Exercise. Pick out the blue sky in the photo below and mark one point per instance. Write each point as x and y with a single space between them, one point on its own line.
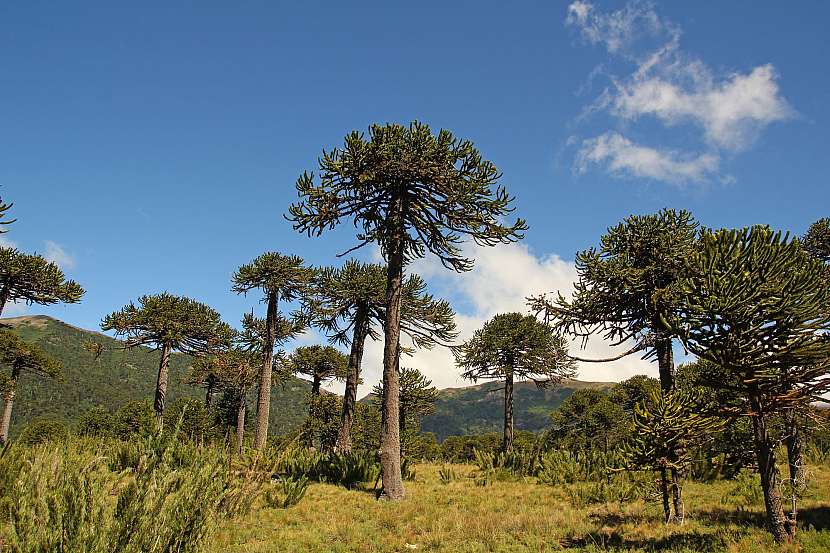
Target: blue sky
155 146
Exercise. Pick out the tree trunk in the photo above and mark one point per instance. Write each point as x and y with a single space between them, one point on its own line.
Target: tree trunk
315 386
664 491
4 297
508 411
677 496
209 391
390 437
161 386
240 422
361 330
263 404
8 403
795 460
765 451
665 364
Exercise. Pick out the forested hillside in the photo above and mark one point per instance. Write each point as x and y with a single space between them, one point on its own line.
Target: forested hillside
116 377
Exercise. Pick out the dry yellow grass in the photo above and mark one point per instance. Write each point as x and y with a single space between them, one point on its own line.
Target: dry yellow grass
516 516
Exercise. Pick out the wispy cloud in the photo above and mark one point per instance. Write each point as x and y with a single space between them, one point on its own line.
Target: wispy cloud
57 255
728 111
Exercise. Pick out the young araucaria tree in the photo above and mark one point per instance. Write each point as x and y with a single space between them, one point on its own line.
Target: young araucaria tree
409 191
169 323
19 357
418 397
319 363
511 347
756 305
234 370
352 299
625 290
32 279
278 277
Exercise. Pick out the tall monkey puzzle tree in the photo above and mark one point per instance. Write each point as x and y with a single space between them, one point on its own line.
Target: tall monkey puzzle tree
33 279
169 323
513 346
353 299
756 305
279 277
20 357
410 192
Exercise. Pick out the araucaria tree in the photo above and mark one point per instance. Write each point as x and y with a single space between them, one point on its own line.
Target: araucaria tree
19 357
409 191
756 305
319 363
169 323
233 370
417 399
278 277
33 279
349 305
4 207
511 347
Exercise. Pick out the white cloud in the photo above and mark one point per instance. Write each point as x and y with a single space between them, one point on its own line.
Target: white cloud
502 278
57 255
7 242
729 111
621 156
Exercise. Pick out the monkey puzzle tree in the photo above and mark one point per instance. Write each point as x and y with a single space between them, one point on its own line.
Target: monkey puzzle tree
417 398
660 422
589 419
410 192
234 370
756 305
353 299
320 363
33 279
817 240
169 323
4 207
20 357
278 277
513 346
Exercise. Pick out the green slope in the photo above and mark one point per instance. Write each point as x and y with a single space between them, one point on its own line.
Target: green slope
480 409
115 378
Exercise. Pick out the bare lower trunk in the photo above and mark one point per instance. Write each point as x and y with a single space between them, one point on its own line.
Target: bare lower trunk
4 297
677 496
263 404
765 451
665 363
240 423
390 437
507 443
161 386
210 389
8 403
361 330
795 460
664 491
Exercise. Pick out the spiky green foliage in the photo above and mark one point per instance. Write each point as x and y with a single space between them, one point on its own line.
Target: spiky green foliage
169 323
510 347
627 285
817 240
272 272
587 420
417 400
447 189
517 344
756 304
4 207
33 279
632 391
320 363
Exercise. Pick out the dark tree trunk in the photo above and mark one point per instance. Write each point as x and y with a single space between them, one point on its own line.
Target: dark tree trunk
315 386
665 363
161 385
677 496
263 404
361 330
390 437
664 491
240 422
4 297
508 411
765 451
8 403
210 389
795 460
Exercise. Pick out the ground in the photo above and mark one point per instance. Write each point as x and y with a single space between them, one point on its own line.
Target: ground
517 516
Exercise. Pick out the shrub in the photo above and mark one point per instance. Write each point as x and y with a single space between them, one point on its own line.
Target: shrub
96 422
42 431
293 490
134 418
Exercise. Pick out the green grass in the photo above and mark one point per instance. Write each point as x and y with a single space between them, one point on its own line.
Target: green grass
515 516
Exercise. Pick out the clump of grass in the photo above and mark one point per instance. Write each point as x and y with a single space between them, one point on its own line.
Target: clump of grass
292 491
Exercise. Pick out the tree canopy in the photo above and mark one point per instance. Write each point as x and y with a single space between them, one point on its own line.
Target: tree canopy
320 363
33 279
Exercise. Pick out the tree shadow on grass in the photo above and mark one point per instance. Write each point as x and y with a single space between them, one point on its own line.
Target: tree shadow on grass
692 541
815 517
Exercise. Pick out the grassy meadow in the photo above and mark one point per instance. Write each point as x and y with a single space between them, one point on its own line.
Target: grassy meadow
520 515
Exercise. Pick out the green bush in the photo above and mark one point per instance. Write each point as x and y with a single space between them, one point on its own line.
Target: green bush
96 422
134 418
293 490
42 431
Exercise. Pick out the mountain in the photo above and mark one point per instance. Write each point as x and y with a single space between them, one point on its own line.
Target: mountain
119 376
480 409
115 378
